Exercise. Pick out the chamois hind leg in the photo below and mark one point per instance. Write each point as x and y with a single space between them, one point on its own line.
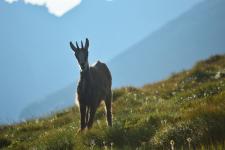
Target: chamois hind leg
82 116
108 104
91 116
87 114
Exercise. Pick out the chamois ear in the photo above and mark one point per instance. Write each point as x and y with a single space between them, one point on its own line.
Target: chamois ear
86 44
73 47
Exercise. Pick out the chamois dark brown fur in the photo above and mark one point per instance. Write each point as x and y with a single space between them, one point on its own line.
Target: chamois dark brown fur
93 87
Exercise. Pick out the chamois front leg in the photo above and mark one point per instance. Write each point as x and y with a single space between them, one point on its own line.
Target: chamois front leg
91 118
108 104
82 117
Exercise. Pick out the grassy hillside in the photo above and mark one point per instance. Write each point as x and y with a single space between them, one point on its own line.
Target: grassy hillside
185 111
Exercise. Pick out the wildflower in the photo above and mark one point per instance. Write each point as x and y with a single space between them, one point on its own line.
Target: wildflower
218 75
189 142
99 123
52 120
173 93
135 96
163 122
194 96
172 143
92 144
111 144
104 144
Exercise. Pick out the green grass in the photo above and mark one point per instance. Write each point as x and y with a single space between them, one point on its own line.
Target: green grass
188 105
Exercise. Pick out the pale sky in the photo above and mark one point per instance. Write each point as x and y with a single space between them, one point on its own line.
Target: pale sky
55 7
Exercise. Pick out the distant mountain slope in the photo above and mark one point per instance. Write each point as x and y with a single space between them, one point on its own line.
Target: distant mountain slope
50 104
195 35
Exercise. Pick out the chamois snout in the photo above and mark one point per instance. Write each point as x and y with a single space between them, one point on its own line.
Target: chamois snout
82 65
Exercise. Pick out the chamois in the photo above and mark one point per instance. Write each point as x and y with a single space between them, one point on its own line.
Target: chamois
93 87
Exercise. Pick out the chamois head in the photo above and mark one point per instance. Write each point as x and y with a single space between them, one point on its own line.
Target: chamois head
81 53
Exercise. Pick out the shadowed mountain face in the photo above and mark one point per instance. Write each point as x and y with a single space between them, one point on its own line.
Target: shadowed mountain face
195 35
178 45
